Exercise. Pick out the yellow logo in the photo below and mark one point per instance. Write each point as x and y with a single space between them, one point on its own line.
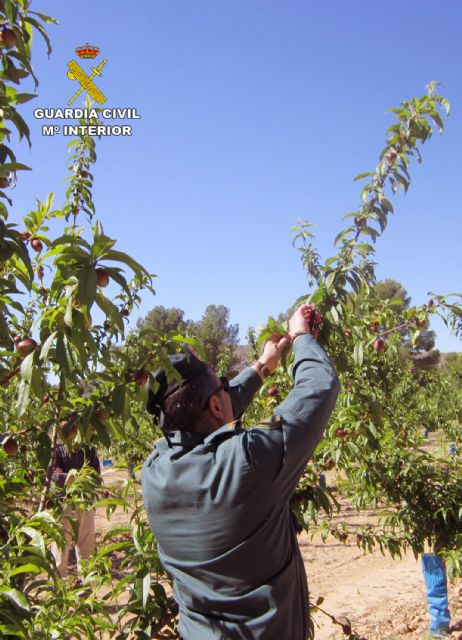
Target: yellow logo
86 82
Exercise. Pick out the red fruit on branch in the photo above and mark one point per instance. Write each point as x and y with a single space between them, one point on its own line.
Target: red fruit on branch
10 446
26 235
26 346
68 431
391 156
36 244
346 628
102 277
84 174
340 433
141 377
125 313
348 332
4 182
8 38
330 464
101 414
273 391
40 272
379 344
431 303
17 339
422 324
375 327
317 319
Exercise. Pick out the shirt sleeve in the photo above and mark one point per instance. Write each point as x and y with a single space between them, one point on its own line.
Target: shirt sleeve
280 447
242 390
61 458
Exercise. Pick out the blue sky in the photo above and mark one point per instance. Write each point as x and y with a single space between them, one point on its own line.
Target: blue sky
255 113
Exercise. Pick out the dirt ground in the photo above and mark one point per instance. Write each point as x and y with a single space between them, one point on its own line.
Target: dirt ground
383 598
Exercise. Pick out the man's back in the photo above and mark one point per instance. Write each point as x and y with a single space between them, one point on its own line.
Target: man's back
219 508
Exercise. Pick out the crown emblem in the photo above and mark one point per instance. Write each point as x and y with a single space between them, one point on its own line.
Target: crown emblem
87 51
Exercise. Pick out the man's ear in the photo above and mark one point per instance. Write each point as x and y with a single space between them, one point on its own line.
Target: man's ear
215 407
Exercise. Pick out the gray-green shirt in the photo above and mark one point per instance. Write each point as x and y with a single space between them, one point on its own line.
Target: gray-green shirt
218 506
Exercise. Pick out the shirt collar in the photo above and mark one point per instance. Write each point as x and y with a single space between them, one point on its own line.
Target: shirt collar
190 439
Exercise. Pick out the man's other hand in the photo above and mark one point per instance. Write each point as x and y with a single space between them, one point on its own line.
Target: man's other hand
305 320
272 351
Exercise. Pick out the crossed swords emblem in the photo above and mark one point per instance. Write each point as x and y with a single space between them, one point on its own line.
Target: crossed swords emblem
86 82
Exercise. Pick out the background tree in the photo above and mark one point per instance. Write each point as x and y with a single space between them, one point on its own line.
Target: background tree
213 331
218 336
162 319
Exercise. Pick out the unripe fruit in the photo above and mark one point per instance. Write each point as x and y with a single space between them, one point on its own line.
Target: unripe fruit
141 377
340 433
26 346
102 277
379 345
10 446
36 244
273 391
375 327
8 38
4 182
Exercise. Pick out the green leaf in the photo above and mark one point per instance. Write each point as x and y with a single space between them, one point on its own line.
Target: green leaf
360 176
26 568
86 290
330 280
16 598
111 311
318 296
47 345
119 256
43 451
118 399
23 397
358 354
386 203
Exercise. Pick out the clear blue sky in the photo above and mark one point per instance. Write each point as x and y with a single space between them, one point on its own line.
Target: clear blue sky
254 113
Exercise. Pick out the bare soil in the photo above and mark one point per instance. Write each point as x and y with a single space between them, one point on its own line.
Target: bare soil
383 598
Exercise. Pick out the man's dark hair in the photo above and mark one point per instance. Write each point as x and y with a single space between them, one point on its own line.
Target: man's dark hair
184 409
